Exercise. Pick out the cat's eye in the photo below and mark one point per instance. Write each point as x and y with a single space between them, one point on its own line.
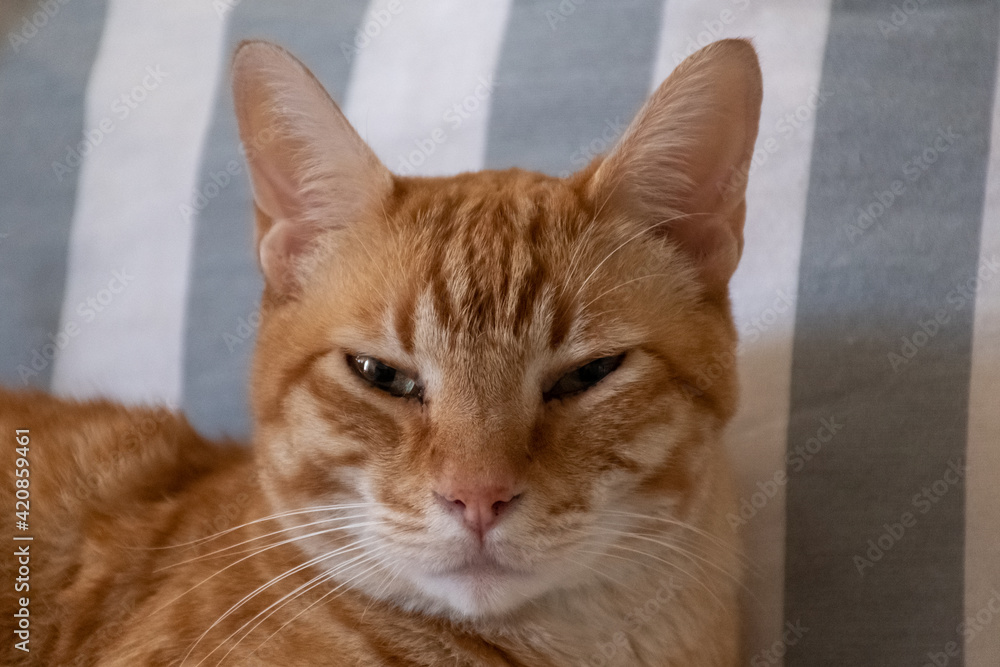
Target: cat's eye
584 377
383 376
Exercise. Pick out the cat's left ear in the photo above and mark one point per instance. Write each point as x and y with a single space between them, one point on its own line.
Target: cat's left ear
310 170
681 166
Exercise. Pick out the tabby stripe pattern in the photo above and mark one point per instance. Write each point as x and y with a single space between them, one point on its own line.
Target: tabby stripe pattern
842 423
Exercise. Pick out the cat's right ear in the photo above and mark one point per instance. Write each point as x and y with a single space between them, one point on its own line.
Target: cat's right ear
309 169
682 165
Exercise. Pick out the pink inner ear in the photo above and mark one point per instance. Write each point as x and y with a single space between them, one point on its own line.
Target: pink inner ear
684 157
713 246
312 172
274 190
714 240
280 246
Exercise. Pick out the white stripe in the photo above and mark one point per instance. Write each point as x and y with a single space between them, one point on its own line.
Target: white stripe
420 87
790 39
149 100
982 492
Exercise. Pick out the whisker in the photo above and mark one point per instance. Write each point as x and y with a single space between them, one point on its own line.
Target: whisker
620 285
360 239
289 621
688 527
256 553
277 532
594 569
235 607
684 552
641 232
300 591
396 571
677 539
673 522
294 593
272 517
670 564
592 227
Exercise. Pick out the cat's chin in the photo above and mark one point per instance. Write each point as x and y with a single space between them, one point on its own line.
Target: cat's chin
486 593
478 592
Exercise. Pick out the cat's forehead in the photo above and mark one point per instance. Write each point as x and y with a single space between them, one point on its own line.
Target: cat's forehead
490 205
491 255
514 263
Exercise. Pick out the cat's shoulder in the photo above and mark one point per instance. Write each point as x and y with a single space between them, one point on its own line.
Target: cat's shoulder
99 449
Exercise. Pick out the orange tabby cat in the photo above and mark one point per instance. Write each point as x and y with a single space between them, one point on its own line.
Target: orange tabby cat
480 437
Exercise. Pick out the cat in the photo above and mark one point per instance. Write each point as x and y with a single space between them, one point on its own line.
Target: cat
482 434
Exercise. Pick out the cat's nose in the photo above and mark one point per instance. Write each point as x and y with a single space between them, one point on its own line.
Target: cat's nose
479 506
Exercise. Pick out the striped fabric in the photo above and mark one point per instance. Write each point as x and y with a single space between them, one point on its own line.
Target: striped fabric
868 298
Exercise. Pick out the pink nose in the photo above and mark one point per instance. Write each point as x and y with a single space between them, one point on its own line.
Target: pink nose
480 506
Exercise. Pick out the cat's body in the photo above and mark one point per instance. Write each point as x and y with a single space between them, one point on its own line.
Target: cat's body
487 416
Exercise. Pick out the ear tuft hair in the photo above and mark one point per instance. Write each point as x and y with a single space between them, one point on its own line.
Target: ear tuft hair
682 165
310 170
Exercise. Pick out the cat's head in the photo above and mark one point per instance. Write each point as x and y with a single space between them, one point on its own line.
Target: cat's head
491 375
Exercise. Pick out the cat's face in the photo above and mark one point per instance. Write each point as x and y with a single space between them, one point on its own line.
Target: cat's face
487 377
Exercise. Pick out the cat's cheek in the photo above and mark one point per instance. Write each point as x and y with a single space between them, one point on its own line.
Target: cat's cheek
308 466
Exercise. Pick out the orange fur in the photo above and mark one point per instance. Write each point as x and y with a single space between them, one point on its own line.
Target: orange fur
346 529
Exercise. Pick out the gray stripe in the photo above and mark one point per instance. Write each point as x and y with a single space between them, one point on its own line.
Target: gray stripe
225 283
45 61
879 389
570 77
